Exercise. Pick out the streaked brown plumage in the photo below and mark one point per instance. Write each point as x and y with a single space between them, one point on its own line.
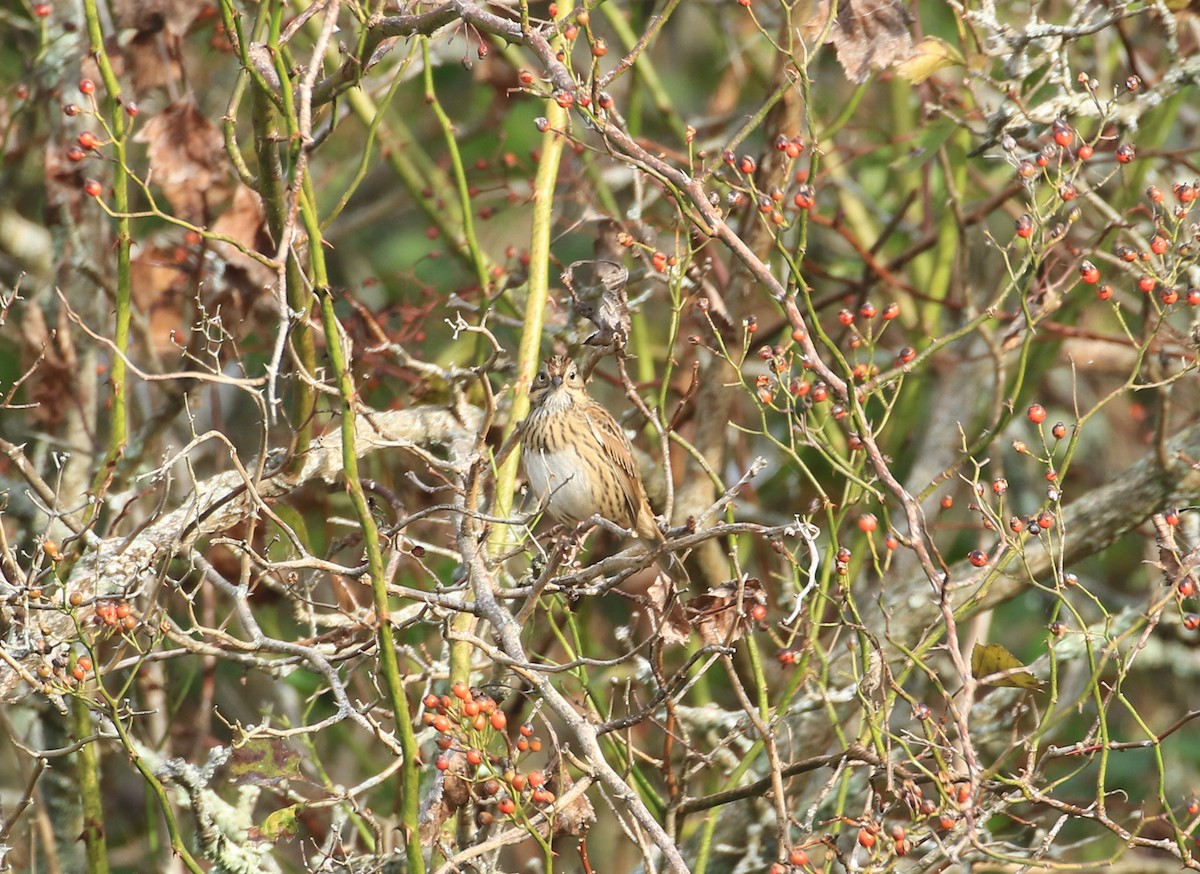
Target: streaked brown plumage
577 458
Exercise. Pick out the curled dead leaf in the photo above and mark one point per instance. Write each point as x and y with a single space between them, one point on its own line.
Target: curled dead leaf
865 34
598 291
718 616
187 159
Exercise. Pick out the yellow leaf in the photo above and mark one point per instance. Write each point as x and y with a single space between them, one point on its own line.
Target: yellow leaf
928 56
991 659
281 823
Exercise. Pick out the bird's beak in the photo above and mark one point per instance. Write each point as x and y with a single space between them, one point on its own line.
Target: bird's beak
556 381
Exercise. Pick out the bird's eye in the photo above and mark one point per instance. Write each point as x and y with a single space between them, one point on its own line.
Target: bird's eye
541 377
571 374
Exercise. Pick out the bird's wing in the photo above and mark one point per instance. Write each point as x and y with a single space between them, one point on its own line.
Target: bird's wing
616 446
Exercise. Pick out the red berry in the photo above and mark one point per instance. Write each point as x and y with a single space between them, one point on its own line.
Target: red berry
1063 135
1024 226
1147 283
87 86
798 857
867 310
42 10
1036 413
442 763
1068 192
499 720
1171 517
1089 273
525 77
1155 194
891 311
1169 296
867 522
474 757
1027 170
506 806
1193 296
820 393
1159 244
1191 622
76 154
977 557
92 188
1104 292
1125 153
999 485
1184 192
1059 430
88 140
1085 152
747 164
1045 520
806 197
891 541
906 355
866 839
846 317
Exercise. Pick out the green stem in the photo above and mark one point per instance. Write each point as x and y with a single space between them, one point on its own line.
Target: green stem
389 663
87 765
535 305
119 425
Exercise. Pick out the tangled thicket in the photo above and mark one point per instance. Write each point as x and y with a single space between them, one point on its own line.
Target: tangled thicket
900 304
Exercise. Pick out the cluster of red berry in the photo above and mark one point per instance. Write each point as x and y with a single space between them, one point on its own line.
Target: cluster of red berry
470 724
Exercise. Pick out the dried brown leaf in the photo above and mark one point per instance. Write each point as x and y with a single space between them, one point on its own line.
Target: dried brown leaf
598 291
187 159
450 793
718 616
152 16
244 222
866 34
577 815
158 283
54 382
